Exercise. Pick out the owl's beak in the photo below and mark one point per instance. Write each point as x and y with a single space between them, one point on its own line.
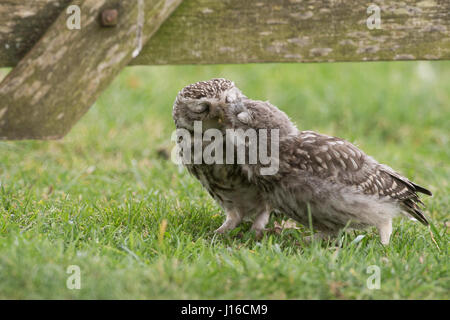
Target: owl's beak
217 112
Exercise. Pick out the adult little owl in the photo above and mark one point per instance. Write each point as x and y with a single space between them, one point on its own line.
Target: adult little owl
322 180
226 183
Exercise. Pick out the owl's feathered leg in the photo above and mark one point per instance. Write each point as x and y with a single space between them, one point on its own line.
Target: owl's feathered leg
385 230
231 222
260 222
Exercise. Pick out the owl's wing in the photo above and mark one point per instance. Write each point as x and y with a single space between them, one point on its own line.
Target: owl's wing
338 160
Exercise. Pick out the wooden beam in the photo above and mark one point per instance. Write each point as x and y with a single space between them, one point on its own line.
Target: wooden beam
237 31
63 74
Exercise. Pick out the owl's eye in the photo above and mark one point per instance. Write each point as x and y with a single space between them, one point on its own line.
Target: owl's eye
201 107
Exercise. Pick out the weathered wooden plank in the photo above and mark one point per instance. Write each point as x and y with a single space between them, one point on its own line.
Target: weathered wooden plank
236 31
22 24
207 31
61 77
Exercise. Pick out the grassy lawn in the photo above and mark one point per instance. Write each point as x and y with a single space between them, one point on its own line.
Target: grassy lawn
105 198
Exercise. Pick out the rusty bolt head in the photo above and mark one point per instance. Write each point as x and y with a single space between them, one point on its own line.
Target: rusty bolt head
109 17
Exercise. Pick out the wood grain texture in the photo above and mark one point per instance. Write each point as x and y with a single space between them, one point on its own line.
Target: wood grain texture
62 76
236 31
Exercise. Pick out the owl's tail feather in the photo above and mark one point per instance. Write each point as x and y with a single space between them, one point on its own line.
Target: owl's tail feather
413 209
421 189
411 185
410 203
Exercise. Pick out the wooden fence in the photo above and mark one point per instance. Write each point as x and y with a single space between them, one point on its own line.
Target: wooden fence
64 53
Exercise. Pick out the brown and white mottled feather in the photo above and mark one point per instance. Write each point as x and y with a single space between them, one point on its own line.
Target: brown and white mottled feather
334 158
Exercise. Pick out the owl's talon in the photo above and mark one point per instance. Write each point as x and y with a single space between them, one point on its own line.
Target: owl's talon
231 222
220 230
259 225
259 234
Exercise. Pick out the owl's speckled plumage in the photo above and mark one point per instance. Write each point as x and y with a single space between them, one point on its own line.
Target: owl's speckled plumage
340 184
226 183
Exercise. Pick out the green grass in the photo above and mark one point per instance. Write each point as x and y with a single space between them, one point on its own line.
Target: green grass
138 227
